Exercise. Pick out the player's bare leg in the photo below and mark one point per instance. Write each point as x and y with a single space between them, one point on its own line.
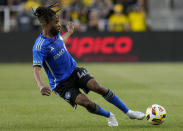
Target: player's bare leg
82 100
113 99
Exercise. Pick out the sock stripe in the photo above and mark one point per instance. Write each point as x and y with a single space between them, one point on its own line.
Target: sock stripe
109 95
113 99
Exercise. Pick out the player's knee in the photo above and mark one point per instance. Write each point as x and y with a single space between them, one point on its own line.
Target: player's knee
80 99
83 101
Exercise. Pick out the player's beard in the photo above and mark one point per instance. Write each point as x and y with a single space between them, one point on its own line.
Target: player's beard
54 31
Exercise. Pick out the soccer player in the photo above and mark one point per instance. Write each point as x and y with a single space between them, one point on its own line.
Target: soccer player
65 78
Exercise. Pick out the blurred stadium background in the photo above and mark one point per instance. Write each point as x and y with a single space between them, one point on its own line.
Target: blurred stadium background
105 30
140 42
93 15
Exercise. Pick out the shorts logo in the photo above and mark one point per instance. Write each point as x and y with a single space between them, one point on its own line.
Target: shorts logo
83 73
52 48
67 95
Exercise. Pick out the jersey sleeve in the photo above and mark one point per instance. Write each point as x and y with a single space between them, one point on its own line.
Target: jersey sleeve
39 56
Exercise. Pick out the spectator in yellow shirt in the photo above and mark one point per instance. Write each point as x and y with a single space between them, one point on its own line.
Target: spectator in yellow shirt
87 2
65 3
32 4
118 22
137 19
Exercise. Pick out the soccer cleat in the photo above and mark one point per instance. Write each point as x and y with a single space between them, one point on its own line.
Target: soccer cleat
135 115
112 120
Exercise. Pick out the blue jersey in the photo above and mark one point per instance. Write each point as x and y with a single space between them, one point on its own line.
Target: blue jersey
52 54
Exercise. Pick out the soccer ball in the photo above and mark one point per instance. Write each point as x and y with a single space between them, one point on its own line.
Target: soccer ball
155 114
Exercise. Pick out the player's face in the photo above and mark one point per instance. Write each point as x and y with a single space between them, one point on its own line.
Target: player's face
55 26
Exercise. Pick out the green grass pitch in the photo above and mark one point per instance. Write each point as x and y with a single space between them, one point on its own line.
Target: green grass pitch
139 85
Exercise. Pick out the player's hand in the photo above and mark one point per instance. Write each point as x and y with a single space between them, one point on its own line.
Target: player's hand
70 27
45 91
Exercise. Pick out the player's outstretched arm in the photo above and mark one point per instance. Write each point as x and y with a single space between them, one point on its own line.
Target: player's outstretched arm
70 30
37 76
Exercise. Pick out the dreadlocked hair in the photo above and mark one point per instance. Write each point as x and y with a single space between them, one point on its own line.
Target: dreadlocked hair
45 14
